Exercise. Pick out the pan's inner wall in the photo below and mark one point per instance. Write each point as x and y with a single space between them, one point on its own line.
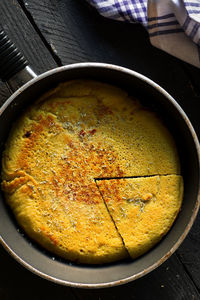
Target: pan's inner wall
63 271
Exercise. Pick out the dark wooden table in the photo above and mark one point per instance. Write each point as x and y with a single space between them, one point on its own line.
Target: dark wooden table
52 33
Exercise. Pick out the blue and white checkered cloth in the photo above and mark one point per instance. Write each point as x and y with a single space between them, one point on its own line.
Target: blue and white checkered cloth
173 25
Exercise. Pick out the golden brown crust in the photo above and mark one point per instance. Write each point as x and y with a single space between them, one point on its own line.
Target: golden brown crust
78 132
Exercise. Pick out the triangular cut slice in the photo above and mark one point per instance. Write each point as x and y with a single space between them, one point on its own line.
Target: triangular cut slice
143 209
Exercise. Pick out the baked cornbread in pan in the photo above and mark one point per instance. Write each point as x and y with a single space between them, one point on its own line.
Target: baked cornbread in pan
57 150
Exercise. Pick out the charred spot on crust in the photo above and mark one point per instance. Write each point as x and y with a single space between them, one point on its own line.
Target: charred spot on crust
27 134
82 133
92 131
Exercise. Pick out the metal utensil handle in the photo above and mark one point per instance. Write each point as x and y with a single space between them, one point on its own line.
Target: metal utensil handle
14 67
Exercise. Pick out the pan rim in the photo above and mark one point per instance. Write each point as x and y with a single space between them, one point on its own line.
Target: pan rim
197 203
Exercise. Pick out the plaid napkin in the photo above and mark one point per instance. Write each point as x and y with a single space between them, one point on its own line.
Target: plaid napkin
173 25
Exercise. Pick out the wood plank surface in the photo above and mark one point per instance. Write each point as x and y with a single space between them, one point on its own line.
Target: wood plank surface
21 32
189 253
74 32
58 29
166 283
193 74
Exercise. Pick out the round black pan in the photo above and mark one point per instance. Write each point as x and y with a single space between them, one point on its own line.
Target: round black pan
150 94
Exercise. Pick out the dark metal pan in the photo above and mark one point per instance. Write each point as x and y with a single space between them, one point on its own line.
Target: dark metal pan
16 73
